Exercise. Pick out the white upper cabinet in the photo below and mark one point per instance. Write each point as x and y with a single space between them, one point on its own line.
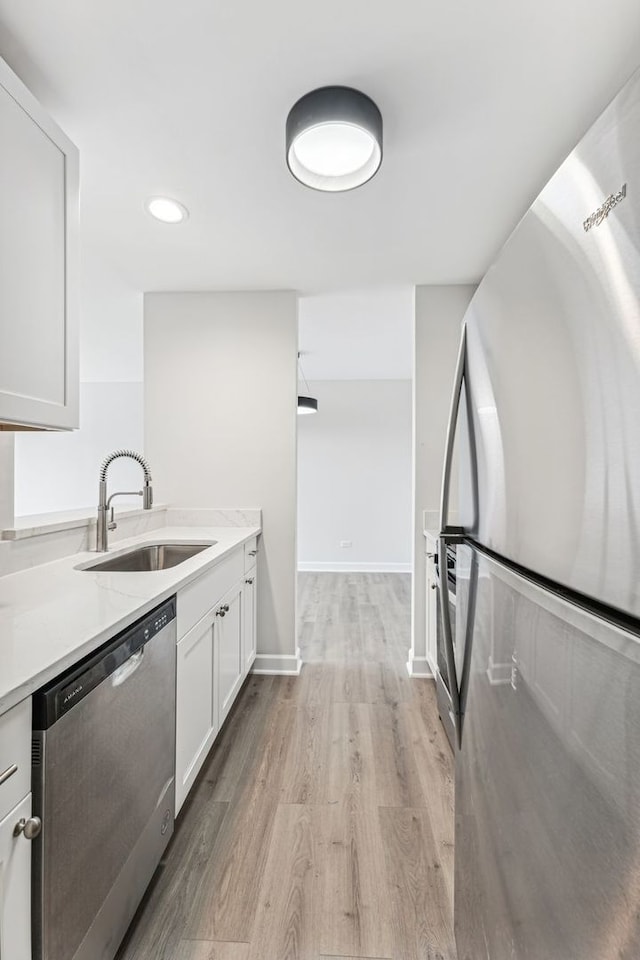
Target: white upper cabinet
38 265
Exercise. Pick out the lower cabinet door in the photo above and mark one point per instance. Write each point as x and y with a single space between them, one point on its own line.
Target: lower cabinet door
230 661
15 886
196 703
249 620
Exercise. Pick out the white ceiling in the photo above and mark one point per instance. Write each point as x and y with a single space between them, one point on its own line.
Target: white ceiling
481 101
357 335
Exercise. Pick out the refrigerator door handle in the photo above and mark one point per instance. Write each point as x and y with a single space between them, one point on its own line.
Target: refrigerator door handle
449 652
469 632
451 433
448 535
458 685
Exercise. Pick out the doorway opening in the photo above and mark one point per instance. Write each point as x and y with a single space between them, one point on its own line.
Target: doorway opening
354 529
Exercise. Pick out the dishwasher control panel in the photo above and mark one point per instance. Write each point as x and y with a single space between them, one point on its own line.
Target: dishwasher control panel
162 621
62 694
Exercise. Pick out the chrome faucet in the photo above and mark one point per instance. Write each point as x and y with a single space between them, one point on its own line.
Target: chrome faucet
104 504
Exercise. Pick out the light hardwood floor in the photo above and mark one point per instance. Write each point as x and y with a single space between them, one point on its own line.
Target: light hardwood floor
322 825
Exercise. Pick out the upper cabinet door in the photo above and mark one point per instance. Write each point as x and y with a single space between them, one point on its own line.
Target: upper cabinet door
38 265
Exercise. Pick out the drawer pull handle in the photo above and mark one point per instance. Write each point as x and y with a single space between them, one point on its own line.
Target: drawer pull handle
29 828
9 772
249 581
252 553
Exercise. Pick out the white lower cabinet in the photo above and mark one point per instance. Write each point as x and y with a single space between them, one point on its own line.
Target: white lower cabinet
229 651
214 657
196 703
249 619
15 886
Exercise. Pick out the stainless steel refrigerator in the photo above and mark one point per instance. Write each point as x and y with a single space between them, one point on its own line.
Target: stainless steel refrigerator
545 666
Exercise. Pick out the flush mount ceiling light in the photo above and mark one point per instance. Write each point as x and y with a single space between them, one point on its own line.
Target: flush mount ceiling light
166 209
334 139
305 404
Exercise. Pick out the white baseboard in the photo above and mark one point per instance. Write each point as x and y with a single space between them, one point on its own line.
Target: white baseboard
419 667
499 673
278 664
313 566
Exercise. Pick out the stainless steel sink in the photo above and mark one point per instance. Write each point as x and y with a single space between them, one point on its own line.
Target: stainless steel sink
150 556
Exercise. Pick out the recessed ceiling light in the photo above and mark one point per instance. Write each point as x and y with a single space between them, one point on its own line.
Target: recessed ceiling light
167 210
334 139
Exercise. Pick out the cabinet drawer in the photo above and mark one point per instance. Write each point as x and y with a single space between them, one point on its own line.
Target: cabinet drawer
198 597
250 553
15 752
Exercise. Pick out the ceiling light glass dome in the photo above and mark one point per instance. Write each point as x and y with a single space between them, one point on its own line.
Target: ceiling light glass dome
334 139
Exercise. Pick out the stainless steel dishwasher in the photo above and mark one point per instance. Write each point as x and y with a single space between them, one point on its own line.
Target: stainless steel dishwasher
103 786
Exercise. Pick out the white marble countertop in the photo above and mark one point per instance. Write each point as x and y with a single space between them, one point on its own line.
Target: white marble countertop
53 615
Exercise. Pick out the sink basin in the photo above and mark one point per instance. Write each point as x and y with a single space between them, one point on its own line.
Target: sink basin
149 556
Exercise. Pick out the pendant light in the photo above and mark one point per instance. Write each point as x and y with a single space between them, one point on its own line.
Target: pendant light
305 404
334 139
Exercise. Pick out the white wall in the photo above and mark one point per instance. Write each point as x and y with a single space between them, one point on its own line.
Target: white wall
59 471
7 443
439 311
358 334
354 477
111 342
220 428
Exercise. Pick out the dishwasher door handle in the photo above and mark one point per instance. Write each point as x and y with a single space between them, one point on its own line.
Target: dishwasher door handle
126 669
